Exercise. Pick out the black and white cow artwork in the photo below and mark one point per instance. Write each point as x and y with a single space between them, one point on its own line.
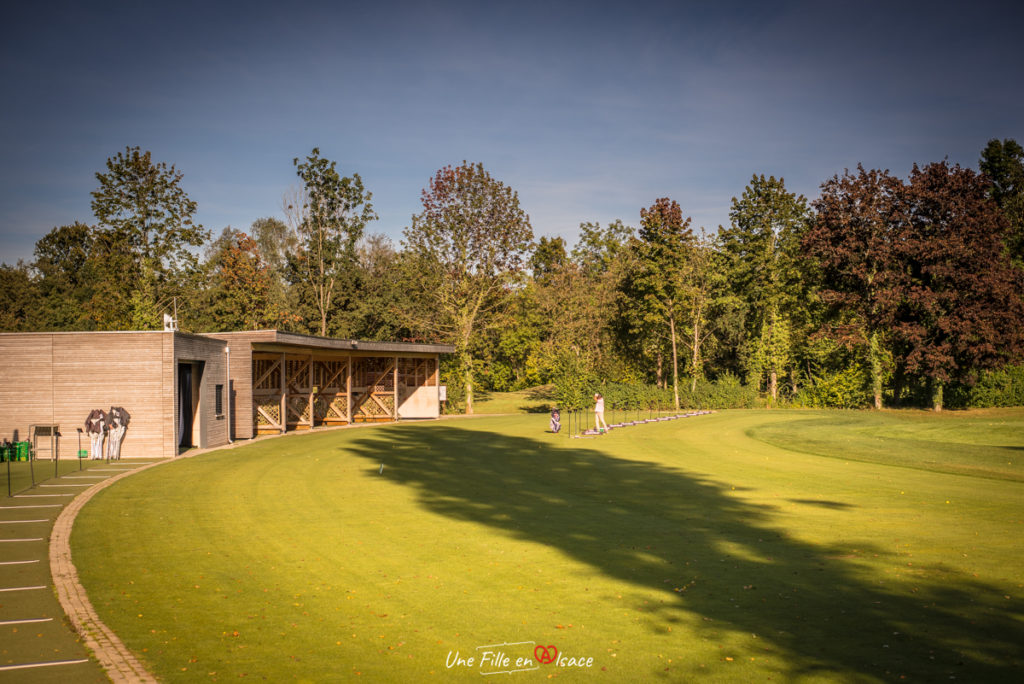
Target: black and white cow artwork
117 424
96 428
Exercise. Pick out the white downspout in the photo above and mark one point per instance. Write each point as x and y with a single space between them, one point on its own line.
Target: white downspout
227 386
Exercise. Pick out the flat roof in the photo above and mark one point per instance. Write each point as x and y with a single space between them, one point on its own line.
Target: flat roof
290 339
275 337
179 333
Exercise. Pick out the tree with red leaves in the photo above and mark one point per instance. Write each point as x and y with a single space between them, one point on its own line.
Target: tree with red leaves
852 239
468 247
962 309
923 263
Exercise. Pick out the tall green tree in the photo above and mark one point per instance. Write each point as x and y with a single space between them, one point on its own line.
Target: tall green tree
665 253
276 243
62 261
382 295
330 216
570 314
1003 163
239 295
143 205
706 302
86 278
598 249
762 247
548 258
18 298
470 246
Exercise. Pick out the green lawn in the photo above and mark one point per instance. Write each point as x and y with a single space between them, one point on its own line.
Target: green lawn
736 547
536 400
19 476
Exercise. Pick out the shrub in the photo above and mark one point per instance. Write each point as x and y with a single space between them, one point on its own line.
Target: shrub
574 382
635 395
727 391
995 388
577 391
845 388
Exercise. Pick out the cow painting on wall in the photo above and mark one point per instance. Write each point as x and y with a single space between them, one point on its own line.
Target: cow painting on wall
117 423
96 428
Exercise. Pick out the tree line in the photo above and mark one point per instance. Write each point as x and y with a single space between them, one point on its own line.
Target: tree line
882 291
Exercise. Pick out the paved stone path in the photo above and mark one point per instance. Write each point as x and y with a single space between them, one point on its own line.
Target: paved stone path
120 664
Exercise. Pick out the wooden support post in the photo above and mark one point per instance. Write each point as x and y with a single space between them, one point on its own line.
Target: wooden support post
311 398
284 394
348 391
395 417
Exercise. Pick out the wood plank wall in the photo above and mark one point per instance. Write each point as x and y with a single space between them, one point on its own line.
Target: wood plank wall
209 429
86 371
26 381
240 343
59 378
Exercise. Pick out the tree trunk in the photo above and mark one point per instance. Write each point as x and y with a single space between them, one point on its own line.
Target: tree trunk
675 362
936 395
696 357
876 370
773 384
660 381
467 369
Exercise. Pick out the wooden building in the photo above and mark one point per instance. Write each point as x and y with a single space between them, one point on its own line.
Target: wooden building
186 390
286 381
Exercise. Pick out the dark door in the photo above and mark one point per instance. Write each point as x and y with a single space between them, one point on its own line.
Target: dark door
185 416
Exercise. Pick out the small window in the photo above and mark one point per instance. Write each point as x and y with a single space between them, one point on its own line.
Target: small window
219 399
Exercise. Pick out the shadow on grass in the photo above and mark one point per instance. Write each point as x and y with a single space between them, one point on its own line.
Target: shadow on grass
18 477
711 555
834 505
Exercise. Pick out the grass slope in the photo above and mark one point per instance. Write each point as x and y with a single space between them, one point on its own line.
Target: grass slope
535 400
723 548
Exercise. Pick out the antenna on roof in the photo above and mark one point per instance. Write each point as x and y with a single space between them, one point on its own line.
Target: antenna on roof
171 322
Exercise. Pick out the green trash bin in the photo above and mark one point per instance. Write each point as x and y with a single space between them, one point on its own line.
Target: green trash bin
6 452
83 453
24 451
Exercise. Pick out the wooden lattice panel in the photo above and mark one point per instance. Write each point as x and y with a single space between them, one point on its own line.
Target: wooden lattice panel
330 375
373 388
321 406
416 372
378 407
299 411
337 410
374 372
297 375
266 374
267 414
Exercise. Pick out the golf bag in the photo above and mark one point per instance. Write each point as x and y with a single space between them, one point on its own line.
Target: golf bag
117 424
95 427
556 420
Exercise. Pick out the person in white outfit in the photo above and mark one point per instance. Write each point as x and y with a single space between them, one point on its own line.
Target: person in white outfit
599 412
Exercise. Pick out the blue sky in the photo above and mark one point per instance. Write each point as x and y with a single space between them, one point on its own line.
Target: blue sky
589 110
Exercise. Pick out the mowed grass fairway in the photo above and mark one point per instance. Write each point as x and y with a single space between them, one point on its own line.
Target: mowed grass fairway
741 546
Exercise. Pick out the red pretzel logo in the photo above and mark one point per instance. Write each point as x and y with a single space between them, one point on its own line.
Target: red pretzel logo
545 654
